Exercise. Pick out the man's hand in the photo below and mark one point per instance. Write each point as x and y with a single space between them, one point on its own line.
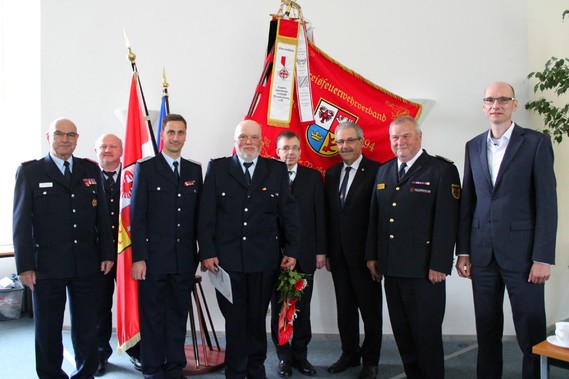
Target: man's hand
288 262
106 266
320 261
463 266
436 276
28 278
209 264
539 273
372 267
139 270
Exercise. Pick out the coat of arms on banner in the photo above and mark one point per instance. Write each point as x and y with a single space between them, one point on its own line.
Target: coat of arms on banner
320 135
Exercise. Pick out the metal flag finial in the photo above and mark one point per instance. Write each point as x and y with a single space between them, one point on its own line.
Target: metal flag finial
131 55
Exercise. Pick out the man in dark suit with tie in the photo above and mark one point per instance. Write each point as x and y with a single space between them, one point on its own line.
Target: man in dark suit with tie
62 241
109 149
245 199
413 224
164 214
307 187
348 189
508 225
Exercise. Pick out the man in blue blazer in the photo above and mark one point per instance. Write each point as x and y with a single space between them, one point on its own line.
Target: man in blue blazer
62 241
164 214
308 190
245 199
348 189
508 224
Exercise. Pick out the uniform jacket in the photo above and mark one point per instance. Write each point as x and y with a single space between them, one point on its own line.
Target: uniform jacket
113 205
308 190
516 219
347 226
413 223
164 214
60 230
239 224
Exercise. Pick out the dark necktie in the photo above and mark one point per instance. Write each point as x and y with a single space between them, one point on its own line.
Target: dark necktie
175 164
247 173
67 172
401 173
344 186
290 174
110 181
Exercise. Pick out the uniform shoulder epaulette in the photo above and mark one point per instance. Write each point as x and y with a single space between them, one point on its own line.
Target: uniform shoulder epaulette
388 160
91 160
217 159
195 162
444 159
28 162
145 159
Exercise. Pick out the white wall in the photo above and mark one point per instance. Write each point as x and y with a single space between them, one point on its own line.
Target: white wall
443 50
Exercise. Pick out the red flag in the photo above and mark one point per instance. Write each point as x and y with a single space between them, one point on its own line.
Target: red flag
338 94
137 144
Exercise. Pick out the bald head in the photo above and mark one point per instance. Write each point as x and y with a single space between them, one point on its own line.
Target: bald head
109 151
62 137
248 140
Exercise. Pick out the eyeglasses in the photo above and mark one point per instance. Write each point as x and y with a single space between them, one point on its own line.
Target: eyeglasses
289 148
243 138
70 135
500 100
349 141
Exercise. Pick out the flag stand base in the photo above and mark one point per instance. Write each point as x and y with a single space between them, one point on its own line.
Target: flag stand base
215 361
202 357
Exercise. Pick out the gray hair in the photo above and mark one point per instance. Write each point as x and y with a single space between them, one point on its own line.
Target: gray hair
350 125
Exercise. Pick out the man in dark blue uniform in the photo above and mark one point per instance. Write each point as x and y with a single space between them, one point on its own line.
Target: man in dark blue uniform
413 226
245 198
307 187
109 151
164 211
62 241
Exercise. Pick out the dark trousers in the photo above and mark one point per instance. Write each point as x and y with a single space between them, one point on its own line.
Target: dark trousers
49 297
164 301
355 291
246 336
297 348
528 310
416 310
105 314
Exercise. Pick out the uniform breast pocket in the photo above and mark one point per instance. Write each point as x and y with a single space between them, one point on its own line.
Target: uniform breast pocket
46 201
270 201
224 200
157 195
91 197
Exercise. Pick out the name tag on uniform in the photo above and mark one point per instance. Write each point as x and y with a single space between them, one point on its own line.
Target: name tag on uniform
46 185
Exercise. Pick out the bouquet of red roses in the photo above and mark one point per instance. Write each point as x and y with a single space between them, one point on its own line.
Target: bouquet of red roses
290 286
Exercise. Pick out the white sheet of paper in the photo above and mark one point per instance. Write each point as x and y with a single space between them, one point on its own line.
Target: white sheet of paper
222 283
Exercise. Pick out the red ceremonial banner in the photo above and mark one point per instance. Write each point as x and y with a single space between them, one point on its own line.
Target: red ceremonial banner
137 144
338 94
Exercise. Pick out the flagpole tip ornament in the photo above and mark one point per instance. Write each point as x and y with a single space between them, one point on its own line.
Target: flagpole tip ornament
131 55
164 82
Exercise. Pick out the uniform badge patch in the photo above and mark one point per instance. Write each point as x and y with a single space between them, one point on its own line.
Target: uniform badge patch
455 189
94 203
189 183
380 186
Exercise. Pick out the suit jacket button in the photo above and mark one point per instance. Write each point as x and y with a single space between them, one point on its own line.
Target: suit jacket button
391 236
